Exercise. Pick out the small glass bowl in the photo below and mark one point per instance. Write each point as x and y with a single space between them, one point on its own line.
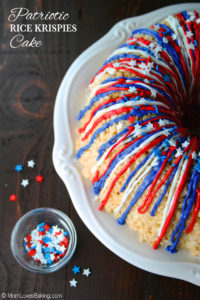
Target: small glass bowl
27 223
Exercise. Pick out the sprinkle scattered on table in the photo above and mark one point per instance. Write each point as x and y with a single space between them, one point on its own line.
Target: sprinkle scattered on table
86 272
39 178
73 282
31 163
25 182
18 168
46 244
76 270
13 197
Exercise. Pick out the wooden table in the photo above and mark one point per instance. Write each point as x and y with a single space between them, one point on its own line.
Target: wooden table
29 80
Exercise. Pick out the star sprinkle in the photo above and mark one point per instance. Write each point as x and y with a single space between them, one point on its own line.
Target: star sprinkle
153 93
161 122
25 182
119 126
194 155
189 34
116 65
132 63
165 40
44 246
172 142
137 128
31 163
18 168
185 144
13 197
166 78
86 272
156 26
111 71
132 89
39 178
76 270
173 36
73 282
179 152
191 46
149 126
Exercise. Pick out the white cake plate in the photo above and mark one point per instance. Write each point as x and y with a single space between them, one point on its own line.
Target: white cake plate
71 97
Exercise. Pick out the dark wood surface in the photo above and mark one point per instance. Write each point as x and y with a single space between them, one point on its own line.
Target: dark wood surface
29 80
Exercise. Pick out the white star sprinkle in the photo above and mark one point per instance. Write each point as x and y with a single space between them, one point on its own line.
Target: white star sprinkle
156 27
191 18
191 46
119 126
189 34
167 133
116 65
153 93
194 155
31 163
165 40
172 142
146 68
150 65
143 66
86 272
155 162
25 182
152 45
132 63
73 282
158 49
111 71
132 89
161 122
173 36
146 80
149 125
178 152
137 127
185 144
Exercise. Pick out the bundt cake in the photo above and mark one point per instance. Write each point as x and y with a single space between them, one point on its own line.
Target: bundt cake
138 139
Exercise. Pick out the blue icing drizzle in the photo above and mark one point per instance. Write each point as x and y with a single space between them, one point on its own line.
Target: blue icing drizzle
147 181
113 139
170 49
163 192
100 183
98 131
186 208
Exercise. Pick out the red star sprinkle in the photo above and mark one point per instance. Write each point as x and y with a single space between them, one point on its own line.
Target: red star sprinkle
32 252
41 233
46 227
29 238
131 119
13 197
57 233
39 178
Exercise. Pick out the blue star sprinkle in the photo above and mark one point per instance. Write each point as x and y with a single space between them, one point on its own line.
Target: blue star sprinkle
166 78
76 270
18 168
